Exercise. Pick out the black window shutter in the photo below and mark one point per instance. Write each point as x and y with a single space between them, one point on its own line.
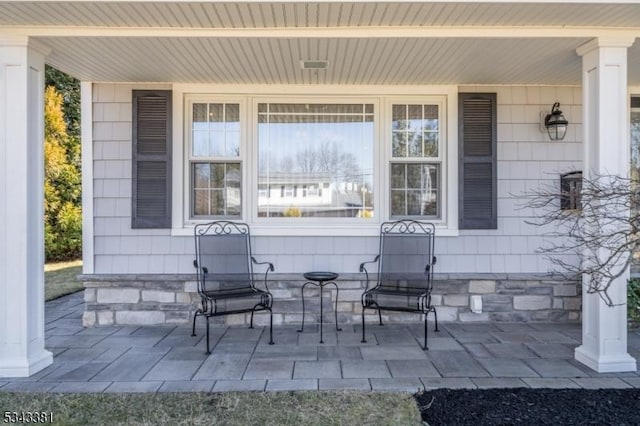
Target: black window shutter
478 202
151 202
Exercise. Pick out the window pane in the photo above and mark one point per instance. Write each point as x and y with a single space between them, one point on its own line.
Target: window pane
420 125
201 202
415 117
398 176
414 144
202 176
398 203
216 189
431 117
398 117
200 143
200 113
430 144
217 202
216 130
316 160
417 195
216 113
399 144
414 203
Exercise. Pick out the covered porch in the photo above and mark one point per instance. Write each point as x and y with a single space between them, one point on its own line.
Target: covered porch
167 359
395 48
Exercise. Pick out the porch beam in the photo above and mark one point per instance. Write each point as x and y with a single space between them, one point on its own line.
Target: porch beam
605 122
328 32
22 350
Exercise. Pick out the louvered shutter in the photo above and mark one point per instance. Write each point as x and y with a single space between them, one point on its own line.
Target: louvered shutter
478 206
151 203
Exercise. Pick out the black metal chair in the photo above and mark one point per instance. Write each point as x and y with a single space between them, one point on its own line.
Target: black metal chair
405 271
224 265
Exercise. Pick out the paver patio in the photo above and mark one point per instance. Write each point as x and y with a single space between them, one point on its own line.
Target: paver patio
169 359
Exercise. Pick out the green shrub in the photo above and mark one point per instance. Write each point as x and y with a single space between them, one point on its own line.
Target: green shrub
62 186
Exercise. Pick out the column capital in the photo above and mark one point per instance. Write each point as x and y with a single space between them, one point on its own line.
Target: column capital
600 42
24 41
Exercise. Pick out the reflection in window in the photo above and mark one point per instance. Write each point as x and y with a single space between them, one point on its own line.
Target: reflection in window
415 130
216 189
415 164
414 189
214 160
315 160
216 130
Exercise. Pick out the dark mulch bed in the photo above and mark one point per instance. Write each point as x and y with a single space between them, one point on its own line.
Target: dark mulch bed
530 406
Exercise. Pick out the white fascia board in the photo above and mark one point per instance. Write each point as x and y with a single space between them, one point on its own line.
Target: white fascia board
329 32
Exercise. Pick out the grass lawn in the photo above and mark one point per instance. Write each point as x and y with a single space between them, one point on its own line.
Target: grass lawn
233 408
60 279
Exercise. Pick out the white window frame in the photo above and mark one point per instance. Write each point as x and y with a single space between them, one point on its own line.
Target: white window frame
443 152
316 222
191 99
248 98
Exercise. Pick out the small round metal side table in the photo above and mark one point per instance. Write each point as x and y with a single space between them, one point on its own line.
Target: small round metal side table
320 279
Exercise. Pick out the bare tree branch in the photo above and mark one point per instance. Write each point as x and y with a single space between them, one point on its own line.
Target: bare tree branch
602 234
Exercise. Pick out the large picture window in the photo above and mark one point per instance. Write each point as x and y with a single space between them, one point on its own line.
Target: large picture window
314 163
215 168
315 160
416 161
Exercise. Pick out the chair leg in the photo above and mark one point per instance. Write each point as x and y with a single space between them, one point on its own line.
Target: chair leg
426 348
435 316
380 316
251 322
208 351
363 339
270 327
193 329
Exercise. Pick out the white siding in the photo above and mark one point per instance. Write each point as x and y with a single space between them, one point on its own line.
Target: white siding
526 159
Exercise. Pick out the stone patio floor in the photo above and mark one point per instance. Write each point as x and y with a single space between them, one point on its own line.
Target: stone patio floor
169 359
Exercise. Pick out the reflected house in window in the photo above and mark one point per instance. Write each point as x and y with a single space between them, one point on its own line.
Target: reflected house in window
217 189
312 195
315 160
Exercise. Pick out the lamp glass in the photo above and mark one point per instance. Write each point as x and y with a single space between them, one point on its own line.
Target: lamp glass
556 124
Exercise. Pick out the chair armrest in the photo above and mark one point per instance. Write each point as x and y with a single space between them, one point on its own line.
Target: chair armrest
270 265
270 268
363 269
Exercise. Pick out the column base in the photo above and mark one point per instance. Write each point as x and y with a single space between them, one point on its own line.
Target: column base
618 363
21 367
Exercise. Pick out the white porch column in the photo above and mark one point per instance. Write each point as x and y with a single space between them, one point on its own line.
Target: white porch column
606 152
22 350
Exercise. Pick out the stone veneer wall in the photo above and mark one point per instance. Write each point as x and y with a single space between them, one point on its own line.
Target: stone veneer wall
171 299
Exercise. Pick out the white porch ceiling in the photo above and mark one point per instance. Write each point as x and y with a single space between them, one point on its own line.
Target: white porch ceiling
289 14
351 61
365 42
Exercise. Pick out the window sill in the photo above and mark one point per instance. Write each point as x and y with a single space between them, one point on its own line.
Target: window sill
315 230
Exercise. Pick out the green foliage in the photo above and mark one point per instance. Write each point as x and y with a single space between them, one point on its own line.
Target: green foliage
62 186
69 87
633 301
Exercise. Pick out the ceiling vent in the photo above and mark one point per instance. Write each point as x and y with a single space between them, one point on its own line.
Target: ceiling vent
314 65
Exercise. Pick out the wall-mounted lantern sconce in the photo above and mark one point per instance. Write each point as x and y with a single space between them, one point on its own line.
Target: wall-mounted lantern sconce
555 123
